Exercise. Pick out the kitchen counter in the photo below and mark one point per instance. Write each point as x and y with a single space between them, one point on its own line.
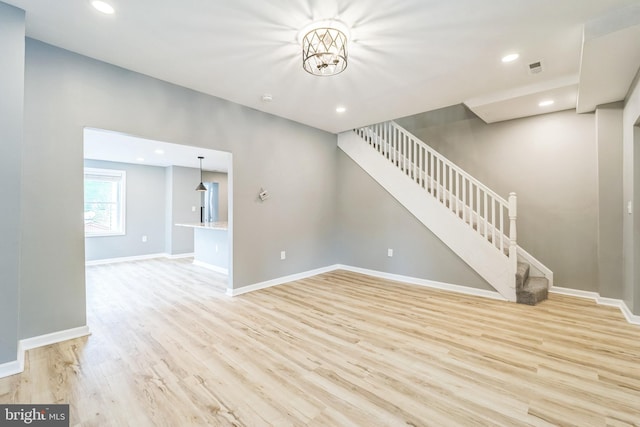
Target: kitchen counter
210 245
208 225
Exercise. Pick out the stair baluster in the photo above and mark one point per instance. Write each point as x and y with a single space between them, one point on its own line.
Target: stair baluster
513 246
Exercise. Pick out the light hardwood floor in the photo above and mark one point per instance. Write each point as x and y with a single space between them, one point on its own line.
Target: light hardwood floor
339 349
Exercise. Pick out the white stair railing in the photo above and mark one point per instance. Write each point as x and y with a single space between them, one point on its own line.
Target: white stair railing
488 214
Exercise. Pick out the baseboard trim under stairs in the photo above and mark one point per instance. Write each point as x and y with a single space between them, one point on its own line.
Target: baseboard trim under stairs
629 316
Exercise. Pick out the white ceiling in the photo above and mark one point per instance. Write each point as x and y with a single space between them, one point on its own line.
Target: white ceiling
610 58
118 147
405 57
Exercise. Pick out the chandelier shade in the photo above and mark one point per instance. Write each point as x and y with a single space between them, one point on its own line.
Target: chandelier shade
324 51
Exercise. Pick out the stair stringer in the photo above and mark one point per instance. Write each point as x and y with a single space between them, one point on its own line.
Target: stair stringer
478 253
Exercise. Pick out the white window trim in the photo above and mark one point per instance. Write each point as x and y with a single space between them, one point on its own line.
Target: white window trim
123 178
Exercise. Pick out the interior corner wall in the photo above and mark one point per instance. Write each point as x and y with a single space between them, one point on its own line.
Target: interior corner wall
371 221
550 162
631 198
12 52
636 221
66 92
610 201
184 199
168 210
144 214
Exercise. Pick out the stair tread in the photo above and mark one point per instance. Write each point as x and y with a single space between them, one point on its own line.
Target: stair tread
536 283
536 289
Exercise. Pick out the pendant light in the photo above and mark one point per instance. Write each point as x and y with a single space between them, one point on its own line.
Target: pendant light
201 186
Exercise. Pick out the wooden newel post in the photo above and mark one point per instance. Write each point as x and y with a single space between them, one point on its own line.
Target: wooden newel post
513 245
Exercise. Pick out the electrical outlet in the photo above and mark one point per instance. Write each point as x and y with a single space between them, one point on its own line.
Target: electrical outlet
283 255
144 239
389 252
193 208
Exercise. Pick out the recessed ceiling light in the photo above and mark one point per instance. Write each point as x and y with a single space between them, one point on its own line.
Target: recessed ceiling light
511 57
140 159
267 97
159 151
546 103
341 109
103 7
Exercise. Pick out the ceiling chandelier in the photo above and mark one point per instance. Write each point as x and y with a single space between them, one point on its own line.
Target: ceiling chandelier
324 48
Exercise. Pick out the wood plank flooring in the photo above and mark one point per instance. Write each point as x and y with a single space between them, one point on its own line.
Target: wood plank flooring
168 348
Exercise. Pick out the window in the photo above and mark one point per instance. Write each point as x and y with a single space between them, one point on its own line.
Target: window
104 200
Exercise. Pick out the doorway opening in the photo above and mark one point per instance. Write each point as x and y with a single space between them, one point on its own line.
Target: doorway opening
158 203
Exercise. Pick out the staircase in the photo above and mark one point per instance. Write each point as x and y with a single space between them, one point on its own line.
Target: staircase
475 222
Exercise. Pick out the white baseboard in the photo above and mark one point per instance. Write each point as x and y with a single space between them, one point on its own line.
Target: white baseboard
179 256
426 283
279 281
396 277
124 259
212 267
17 366
137 258
11 368
54 337
612 302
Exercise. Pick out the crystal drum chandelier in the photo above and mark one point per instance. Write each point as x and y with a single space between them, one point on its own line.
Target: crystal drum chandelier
324 49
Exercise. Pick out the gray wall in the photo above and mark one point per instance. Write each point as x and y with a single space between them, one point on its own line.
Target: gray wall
181 198
631 194
145 214
371 221
66 92
610 202
550 162
11 126
635 282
